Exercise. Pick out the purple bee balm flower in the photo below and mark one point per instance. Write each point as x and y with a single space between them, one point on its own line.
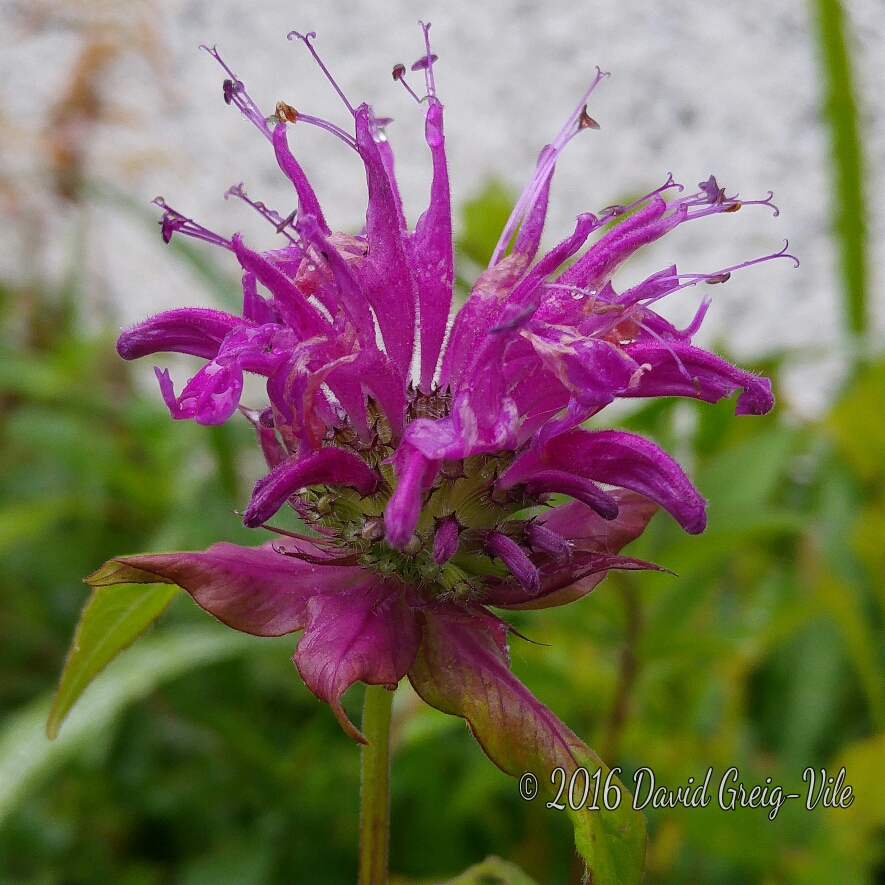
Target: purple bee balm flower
420 452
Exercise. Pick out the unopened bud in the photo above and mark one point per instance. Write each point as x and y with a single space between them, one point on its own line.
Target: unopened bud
373 530
414 546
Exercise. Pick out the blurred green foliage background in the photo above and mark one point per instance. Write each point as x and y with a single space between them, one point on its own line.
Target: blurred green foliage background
199 757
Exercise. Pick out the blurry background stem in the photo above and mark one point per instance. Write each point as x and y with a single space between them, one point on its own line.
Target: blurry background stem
847 168
627 671
375 786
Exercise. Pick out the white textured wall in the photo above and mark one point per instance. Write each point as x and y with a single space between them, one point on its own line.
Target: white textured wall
728 88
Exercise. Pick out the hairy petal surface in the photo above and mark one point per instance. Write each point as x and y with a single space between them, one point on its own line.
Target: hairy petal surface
679 369
197 331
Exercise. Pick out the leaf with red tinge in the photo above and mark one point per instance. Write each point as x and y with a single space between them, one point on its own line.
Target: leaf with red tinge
462 669
366 634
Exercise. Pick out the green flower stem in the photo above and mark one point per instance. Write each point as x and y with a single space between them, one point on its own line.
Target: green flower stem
375 786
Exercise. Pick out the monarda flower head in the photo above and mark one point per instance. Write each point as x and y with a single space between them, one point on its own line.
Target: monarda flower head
422 453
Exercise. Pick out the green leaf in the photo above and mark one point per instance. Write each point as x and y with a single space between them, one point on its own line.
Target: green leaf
858 425
25 752
483 219
845 604
113 618
759 461
492 871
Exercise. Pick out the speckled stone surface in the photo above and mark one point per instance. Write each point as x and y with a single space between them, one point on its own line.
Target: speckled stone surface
731 89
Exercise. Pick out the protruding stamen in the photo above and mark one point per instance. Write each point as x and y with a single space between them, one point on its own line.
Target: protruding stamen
617 210
585 121
305 39
320 123
274 218
423 63
718 278
713 199
544 169
631 302
285 113
174 222
399 74
234 93
426 63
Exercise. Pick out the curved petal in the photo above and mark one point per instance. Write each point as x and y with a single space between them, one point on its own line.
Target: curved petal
602 259
198 331
328 466
679 369
593 371
303 317
515 559
257 590
576 487
366 633
308 204
462 669
621 459
210 397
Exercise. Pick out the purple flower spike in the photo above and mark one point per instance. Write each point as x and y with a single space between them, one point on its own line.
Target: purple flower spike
420 449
